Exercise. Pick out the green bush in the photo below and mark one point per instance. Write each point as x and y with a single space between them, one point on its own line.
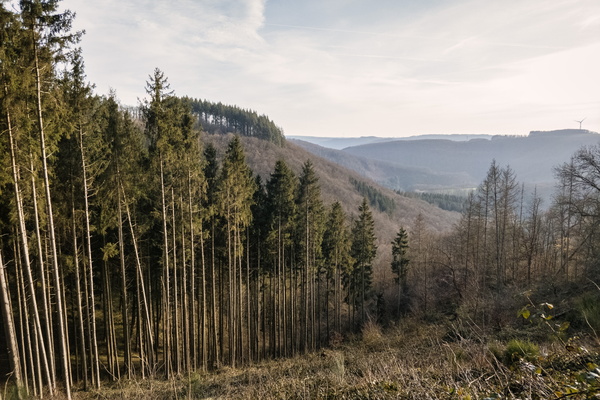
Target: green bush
588 308
520 349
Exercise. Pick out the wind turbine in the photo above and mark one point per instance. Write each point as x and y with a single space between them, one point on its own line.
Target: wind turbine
580 122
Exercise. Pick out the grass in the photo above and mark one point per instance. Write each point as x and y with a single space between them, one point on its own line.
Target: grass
409 361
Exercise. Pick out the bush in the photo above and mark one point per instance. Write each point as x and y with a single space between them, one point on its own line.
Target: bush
372 336
520 349
588 307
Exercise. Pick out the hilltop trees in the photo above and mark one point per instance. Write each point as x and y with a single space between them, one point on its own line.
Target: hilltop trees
218 117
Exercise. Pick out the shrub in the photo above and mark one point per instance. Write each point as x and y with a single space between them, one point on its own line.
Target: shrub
520 349
372 336
588 307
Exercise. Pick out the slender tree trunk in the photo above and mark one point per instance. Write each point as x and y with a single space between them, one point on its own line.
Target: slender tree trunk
27 264
148 361
9 326
27 353
248 302
231 308
240 316
186 310
79 295
45 292
166 280
204 304
88 236
216 324
59 300
191 330
124 308
176 312
88 318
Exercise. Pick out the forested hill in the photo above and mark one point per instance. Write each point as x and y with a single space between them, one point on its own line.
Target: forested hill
222 118
338 183
532 157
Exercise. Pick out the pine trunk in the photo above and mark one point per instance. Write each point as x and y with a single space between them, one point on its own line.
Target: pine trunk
59 300
9 326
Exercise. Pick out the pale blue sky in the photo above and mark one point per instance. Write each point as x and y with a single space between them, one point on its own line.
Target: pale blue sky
359 67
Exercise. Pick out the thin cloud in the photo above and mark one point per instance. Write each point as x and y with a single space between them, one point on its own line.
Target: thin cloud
354 68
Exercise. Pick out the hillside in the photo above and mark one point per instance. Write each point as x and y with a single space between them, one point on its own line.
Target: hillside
335 181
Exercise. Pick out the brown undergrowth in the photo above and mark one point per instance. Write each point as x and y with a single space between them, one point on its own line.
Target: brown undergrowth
411 360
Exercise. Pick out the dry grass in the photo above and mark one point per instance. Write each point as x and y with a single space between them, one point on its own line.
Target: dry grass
410 361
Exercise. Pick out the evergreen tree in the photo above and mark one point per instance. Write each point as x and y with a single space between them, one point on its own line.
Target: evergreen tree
309 237
281 194
210 207
235 193
363 251
49 37
400 263
337 261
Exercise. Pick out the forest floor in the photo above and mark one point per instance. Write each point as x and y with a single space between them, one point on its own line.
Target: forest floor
412 360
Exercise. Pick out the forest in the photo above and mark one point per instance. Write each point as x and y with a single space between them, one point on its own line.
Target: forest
132 248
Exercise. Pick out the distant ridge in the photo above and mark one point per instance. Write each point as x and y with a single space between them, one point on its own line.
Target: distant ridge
340 143
463 163
561 132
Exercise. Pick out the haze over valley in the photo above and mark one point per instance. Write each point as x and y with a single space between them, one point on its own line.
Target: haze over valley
456 163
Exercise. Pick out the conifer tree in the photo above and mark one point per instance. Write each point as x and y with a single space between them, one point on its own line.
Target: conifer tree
400 263
236 190
310 226
158 130
49 35
363 251
257 239
209 204
337 261
90 162
281 194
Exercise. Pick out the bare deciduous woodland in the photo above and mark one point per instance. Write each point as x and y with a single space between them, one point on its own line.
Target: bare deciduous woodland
183 248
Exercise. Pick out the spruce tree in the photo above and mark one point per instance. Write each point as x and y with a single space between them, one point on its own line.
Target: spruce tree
337 260
235 193
400 263
309 237
281 193
49 40
363 251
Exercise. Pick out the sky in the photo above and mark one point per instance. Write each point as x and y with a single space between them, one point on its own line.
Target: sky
350 68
